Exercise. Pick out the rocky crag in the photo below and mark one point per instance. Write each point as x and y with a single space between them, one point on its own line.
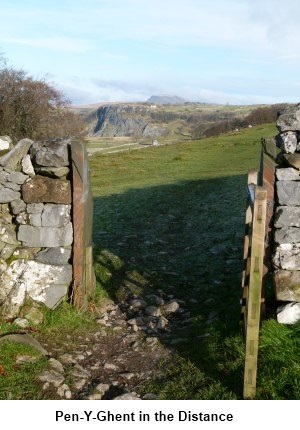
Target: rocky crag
36 231
286 259
126 120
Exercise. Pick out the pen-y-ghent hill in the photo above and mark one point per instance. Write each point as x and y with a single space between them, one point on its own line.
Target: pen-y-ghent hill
170 118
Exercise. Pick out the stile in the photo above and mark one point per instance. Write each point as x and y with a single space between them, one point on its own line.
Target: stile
252 179
253 301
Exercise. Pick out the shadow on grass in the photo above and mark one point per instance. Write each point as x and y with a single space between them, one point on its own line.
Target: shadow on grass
182 241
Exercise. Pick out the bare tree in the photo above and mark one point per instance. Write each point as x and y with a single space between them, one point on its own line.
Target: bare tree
33 108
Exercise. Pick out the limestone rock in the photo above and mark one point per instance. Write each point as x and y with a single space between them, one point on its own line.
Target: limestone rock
8 195
127 396
41 189
138 304
3 265
7 251
13 186
102 389
56 256
5 142
3 176
289 119
46 237
21 322
287 256
287 235
291 160
26 279
52 377
17 206
27 166
56 365
35 208
288 193
25 339
26 253
287 285
13 157
287 174
8 234
288 142
56 215
64 391
33 313
289 314
170 308
53 172
17 177
50 154
21 218
287 216
35 220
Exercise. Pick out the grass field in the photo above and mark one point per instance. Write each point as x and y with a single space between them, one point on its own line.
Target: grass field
172 217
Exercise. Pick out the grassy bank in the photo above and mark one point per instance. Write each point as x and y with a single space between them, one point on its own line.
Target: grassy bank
171 219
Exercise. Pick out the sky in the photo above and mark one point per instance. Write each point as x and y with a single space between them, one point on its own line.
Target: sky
212 51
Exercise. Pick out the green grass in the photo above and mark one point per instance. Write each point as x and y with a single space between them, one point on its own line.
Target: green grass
19 381
171 218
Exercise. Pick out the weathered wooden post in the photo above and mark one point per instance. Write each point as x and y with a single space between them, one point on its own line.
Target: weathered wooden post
253 299
83 270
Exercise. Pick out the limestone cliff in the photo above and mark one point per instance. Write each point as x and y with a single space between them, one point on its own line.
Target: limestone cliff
126 120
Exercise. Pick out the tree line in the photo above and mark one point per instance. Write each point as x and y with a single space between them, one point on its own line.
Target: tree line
261 115
33 108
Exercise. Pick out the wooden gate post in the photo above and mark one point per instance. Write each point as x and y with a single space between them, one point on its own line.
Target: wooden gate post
83 269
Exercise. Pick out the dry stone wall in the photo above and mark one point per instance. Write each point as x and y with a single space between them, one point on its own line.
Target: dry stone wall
286 258
36 230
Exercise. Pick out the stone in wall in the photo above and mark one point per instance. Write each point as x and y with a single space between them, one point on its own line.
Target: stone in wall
27 166
292 160
41 189
287 216
289 119
56 256
288 193
56 215
13 157
287 256
46 237
287 235
26 280
50 154
5 143
7 195
8 240
53 172
289 313
287 174
287 142
287 285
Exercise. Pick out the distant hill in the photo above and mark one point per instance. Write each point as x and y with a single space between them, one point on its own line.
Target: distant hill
166 100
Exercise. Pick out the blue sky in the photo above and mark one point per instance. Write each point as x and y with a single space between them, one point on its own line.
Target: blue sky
221 51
